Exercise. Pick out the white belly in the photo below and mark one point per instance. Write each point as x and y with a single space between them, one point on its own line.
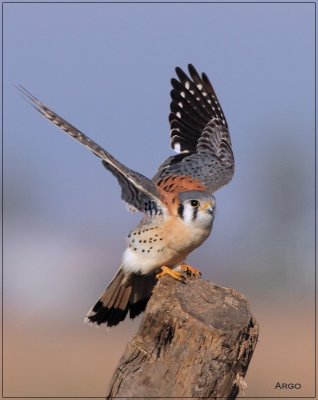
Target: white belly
167 244
144 264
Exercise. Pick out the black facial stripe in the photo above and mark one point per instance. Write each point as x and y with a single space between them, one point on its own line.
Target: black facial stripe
195 213
180 210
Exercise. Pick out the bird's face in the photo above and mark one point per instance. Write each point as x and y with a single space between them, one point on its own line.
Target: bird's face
196 209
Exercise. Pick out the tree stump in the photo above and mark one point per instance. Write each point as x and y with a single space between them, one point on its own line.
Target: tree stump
196 339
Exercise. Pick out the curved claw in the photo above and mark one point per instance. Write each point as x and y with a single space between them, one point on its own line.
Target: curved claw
168 271
190 270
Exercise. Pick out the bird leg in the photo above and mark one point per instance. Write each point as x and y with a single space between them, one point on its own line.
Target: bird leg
168 271
190 270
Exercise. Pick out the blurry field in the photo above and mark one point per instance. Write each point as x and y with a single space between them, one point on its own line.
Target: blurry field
76 360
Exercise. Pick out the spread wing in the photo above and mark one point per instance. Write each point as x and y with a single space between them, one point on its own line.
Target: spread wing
138 191
199 132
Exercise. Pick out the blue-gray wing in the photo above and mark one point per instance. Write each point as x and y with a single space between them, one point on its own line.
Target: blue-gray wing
139 192
199 132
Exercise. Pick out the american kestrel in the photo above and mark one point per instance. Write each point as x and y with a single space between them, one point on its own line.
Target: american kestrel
177 202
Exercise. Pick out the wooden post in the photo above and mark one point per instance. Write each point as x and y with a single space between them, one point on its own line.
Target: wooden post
196 339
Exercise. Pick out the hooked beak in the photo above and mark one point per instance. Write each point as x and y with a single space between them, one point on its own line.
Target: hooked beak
208 207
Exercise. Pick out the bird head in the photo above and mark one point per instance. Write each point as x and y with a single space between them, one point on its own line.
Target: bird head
196 208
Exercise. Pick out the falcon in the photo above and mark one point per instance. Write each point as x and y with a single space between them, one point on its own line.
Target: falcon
177 203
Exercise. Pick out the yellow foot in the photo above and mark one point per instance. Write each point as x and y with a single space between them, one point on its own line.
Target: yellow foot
168 271
190 270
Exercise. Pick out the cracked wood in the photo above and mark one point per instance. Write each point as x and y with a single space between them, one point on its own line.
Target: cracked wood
196 339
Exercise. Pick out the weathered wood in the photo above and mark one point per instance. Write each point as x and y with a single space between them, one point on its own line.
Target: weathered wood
196 340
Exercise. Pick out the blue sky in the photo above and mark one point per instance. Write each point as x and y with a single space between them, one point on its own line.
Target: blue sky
106 68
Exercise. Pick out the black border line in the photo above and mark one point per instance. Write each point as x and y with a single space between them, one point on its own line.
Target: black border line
159 2
315 205
2 198
2 184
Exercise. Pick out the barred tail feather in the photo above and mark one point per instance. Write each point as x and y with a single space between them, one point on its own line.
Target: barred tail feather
127 292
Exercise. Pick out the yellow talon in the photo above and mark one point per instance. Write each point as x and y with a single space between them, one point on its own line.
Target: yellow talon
168 271
190 270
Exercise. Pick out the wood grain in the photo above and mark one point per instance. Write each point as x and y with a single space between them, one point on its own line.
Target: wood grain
196 339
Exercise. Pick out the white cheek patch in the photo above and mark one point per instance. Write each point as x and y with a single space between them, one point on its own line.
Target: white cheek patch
187 214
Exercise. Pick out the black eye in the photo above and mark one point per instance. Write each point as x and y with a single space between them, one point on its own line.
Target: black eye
194 203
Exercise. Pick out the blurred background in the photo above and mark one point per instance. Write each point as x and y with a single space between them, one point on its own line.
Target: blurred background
106 68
